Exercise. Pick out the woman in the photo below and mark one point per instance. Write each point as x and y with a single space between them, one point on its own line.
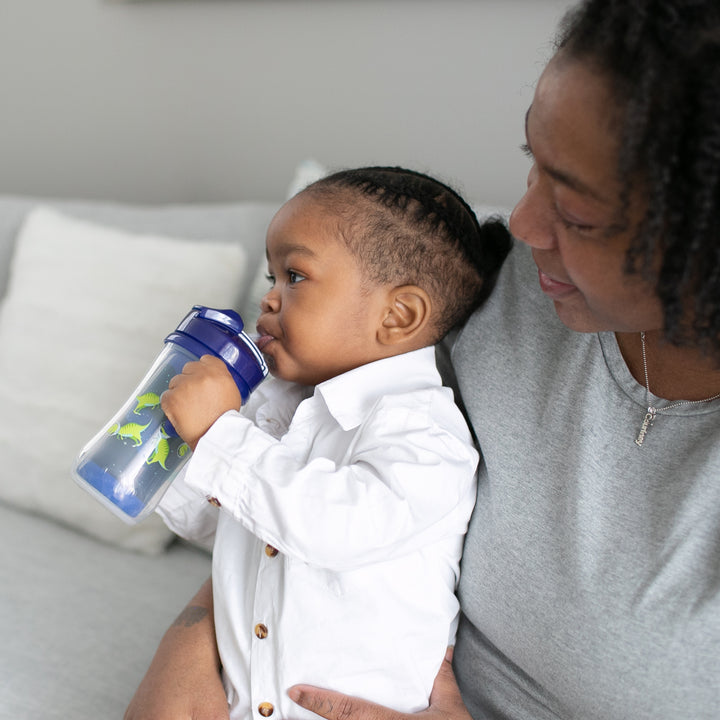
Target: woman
590 582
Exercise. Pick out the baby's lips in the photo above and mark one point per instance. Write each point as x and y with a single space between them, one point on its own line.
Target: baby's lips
262 341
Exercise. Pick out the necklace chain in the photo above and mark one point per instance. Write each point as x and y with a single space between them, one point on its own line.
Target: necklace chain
653 411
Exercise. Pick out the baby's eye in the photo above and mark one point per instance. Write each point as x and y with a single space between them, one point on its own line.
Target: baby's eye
295 277
271 279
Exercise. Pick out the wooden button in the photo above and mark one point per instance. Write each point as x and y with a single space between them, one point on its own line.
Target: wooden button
270 551
266 709
261 631
214 501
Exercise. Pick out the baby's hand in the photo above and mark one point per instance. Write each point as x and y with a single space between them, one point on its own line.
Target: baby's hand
196 398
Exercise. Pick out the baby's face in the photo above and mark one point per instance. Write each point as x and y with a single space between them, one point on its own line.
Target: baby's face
319 319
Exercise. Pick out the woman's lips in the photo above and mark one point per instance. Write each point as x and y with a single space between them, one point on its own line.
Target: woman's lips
554 288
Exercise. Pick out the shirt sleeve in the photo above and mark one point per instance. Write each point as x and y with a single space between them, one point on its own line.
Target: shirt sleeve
407 480
187 513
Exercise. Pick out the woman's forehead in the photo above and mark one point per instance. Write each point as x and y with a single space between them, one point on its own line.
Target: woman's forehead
568 130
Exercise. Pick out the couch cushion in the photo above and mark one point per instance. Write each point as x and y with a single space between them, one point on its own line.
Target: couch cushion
80 620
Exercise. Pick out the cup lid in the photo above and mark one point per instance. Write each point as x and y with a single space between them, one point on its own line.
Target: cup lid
209 331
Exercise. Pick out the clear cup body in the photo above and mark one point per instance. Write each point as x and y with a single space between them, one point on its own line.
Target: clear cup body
132 460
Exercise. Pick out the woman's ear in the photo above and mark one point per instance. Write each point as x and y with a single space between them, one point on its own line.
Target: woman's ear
407 315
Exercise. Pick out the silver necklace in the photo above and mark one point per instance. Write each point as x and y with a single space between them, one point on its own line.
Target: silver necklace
653 411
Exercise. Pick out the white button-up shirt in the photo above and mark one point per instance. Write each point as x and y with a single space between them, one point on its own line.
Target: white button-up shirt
338 538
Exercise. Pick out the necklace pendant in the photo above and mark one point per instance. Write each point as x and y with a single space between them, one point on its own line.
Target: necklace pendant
646 423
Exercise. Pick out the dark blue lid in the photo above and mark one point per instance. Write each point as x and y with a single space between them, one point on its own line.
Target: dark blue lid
206 331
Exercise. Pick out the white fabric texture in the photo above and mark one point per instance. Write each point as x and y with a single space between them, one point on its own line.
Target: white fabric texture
365 488
86 312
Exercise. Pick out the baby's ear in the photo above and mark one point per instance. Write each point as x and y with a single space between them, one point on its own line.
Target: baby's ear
407 315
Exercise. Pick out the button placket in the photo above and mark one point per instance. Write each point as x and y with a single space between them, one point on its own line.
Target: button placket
263 674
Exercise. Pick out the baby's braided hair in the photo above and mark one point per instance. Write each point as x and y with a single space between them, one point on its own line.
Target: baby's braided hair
407 228
662 60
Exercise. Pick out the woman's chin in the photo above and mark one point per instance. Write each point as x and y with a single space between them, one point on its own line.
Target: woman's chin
578 319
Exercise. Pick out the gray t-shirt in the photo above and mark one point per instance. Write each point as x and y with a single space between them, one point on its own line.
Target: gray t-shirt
590 582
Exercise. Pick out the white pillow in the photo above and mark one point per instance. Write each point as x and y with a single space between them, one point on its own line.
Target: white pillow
85 314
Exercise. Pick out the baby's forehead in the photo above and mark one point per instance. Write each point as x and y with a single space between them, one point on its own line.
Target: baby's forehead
305 228
347 213
335 201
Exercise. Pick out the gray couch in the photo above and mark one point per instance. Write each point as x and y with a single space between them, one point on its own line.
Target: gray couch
80 612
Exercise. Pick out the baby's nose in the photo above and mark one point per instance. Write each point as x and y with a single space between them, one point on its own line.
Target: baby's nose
270 302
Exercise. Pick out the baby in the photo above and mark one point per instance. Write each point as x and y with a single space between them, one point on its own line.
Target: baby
339 496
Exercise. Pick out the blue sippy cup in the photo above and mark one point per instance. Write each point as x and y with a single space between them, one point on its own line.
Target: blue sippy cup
130 463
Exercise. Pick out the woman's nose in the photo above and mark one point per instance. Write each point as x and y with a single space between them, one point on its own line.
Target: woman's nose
531 218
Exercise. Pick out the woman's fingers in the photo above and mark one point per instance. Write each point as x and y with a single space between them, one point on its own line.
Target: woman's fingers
445 701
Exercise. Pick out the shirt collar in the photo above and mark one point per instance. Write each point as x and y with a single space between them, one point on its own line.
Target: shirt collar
350 396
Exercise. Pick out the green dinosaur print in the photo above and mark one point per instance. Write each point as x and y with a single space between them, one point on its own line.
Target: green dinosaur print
147 400
160 453
131 431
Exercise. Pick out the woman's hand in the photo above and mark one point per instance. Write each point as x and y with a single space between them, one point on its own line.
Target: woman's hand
183 681
197 397
445 701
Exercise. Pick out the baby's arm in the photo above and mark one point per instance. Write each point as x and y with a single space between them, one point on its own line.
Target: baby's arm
188 514
407 482
197 397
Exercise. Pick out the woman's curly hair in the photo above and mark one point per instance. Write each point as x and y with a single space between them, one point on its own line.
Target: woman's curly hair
662 59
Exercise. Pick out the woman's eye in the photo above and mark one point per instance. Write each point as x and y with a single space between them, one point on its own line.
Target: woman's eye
576 226
572 222
526 151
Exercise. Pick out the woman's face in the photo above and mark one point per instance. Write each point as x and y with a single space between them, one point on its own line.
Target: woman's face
571 214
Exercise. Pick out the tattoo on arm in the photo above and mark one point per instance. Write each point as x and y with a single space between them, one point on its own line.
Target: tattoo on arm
190 616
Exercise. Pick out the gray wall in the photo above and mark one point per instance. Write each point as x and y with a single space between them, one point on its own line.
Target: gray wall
178 100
